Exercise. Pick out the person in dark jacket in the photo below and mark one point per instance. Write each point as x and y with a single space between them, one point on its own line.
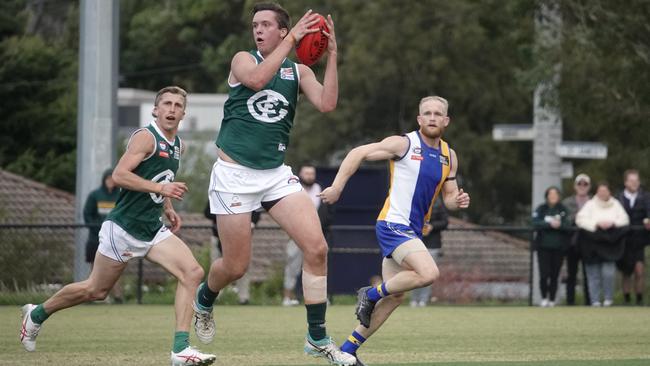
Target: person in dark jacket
98 204
432 238
636 203
573 204
550 220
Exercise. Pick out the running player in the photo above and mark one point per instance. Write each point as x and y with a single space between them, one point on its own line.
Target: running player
250 172
134 228
421 166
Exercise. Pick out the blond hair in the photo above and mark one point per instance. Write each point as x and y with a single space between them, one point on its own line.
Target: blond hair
172 90
436 98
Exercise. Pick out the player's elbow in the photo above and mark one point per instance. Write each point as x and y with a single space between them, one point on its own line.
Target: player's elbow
255 82
326 107
118 177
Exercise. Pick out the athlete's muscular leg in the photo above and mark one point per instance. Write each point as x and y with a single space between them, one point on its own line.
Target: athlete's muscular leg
173 255
423 271
235 235
102 278
385 306
297 216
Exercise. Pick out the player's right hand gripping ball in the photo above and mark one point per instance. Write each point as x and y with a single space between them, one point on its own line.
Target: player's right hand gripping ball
312 46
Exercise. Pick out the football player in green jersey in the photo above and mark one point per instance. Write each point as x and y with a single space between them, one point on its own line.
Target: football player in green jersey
250 172
134 228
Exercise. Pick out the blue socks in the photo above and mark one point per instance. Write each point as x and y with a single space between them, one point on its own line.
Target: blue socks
352 344
376 293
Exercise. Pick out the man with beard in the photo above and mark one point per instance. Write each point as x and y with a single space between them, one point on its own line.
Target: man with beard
421 166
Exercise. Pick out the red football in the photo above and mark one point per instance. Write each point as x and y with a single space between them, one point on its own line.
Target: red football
312 46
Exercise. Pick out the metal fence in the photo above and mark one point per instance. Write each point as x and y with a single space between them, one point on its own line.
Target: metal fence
479 263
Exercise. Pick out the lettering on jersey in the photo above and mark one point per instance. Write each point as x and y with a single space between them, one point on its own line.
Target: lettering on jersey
177 153
163 154
166 176
444 160
268 106
417 157
282 147
286 73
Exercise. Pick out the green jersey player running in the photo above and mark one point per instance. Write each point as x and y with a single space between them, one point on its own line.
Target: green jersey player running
134 228
250 172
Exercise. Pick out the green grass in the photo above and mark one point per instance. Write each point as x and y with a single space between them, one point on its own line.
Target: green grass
258 335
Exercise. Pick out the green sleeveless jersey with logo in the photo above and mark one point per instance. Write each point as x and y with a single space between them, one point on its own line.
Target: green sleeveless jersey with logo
256 125
140 213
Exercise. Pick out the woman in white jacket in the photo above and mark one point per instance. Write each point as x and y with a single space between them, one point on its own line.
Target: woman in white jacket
603 223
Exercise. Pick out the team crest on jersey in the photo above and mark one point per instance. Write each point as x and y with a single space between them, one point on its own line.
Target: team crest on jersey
444 160
162 145
417 150
166 176
293 179
282 147
268 106
286 73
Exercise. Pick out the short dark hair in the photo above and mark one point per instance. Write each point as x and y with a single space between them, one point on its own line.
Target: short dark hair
629 172
552 188
172 90
281 15
603 183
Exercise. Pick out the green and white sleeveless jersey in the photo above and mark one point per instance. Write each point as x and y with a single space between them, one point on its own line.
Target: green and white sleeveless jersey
256 125
140 213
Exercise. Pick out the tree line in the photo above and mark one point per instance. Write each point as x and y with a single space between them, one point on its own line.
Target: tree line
481 56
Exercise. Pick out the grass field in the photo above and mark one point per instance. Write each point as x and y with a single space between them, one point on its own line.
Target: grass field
257 335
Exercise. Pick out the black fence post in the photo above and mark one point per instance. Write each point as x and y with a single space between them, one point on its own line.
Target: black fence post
140 280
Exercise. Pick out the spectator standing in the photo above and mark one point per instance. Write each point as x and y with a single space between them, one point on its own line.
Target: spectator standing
636 203
604 225
573 204
550 219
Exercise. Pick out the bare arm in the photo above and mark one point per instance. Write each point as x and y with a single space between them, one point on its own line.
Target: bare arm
324 97
255 76
453 197
140 146
389 148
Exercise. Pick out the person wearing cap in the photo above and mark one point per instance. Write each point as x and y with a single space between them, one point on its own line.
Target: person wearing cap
636 203
573 204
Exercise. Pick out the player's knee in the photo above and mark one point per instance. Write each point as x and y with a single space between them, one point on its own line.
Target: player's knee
316 252
235 271
397 299
193 275
96 293
429 276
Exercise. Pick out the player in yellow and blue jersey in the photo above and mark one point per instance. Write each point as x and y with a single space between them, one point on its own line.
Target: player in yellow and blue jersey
422 166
